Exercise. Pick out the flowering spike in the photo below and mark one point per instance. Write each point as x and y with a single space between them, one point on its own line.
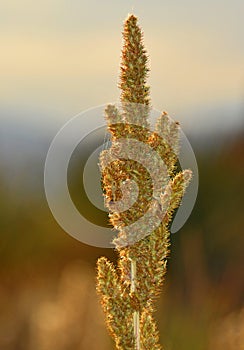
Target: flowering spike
132 189
133 70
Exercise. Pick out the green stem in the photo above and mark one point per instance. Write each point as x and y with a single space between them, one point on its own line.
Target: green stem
136 315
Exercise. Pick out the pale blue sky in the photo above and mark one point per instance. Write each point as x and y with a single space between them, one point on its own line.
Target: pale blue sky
61 57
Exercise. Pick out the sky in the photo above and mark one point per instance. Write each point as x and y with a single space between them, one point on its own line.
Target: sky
60 57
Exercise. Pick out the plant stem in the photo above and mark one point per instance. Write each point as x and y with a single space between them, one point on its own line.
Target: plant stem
136 315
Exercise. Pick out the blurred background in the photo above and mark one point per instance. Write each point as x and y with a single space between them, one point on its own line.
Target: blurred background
59 58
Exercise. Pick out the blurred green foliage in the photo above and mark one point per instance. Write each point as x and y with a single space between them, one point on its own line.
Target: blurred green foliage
203 286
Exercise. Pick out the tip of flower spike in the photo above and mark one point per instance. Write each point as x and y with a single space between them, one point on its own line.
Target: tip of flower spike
131 17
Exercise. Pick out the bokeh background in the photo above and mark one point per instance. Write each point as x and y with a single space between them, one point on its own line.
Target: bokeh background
59 58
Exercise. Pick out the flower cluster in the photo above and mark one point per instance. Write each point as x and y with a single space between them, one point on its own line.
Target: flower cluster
142 187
